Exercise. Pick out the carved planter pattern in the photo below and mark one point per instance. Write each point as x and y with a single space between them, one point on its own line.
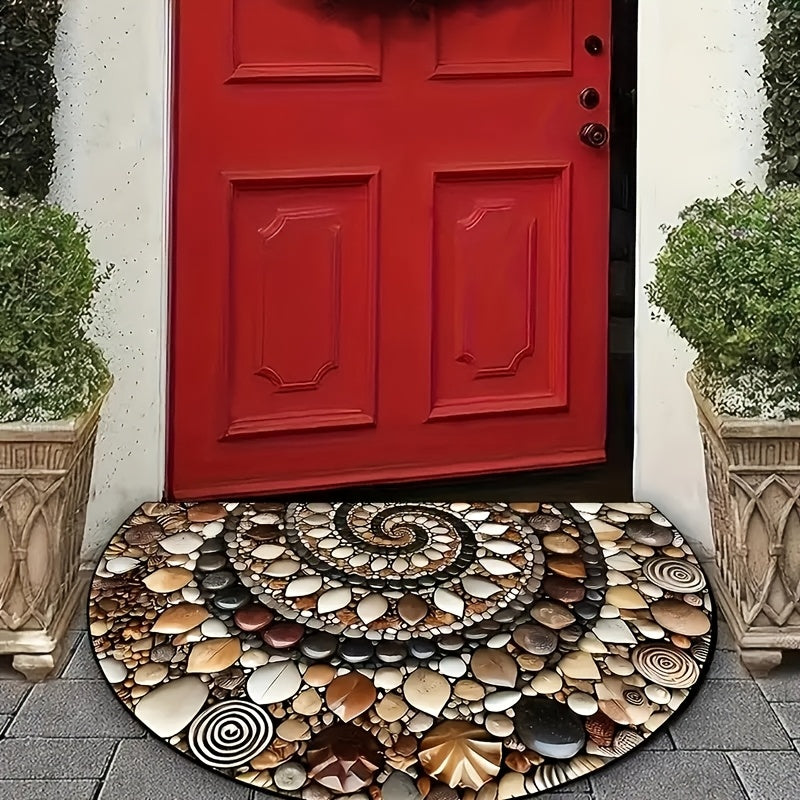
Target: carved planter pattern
753 481
45 471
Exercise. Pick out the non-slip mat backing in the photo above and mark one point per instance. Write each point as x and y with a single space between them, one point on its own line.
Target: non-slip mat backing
440 650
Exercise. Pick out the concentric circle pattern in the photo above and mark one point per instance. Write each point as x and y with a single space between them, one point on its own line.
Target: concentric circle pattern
396 651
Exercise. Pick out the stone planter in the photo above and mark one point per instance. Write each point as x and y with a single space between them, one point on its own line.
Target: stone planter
753 480
45 471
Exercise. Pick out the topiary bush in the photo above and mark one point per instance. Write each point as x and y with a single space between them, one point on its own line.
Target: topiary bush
49 369
28 95
781 77
728 281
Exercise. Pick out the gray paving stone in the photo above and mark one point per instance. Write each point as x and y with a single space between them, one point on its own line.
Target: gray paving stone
74 708
11 694
82 665
50 759
47 790
725 640
783 684
727 665
768 776
789 716
668 776
728 715
146 768
4 720
658 742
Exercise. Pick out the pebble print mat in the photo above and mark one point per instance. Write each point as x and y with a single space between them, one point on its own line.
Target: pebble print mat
390 651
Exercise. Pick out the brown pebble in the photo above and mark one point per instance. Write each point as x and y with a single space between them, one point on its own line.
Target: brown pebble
563 589
283 635
253 617
206 512
684 642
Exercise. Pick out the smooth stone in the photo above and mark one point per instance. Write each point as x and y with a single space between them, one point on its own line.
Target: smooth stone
622 562
500 701
251 659
498 566
609 612
214 628
549 728
273 682
469 690
560 543
263 533
302 587
391 708
453 667
162 653
499 725
631 508
589 643
268 552
150 674
283 635
620 666
499 640
511 785
293 730
114 671
391 652
356 651
427 691
282 568
218 581
605 532
212 529
146 533
122 564
388 678
399 786
657 694
205 512
307 703
567 566
535 639
679 617
625 597
583 704
565 590
232 599
479 587
372 607
645 531
214 655
587 508
349 695
552 615
547 682
579 665
334 600
648 628
501 547
253 617
319 645
494 667
412 609
180 618
530 663
168 579
318 675
650 589
449 602
181 543
169 708
623 702
525 508
289 777
266 518
613 631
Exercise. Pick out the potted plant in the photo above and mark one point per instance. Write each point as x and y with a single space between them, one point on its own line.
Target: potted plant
53 379
728 281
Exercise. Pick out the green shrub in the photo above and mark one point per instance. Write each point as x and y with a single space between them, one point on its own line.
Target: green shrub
28 95
728 281
781 78
49 369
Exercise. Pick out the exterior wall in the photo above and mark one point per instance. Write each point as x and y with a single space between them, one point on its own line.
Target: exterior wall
111 63
699 130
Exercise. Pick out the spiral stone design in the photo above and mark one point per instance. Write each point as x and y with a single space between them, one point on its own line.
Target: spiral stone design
311 647
230 733
674 575
666 665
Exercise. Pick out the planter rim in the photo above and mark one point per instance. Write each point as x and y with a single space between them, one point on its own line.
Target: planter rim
67 429
743 427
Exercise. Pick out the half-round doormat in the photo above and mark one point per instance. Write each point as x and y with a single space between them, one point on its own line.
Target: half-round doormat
400 651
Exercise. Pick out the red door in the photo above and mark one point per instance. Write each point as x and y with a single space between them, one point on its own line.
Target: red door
390 243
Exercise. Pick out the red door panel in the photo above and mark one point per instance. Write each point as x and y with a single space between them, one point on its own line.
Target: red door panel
389 244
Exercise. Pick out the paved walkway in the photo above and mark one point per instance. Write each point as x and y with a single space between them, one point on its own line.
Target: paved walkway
70 739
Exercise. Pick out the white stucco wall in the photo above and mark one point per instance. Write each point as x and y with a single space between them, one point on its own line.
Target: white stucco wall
111 67
700 129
